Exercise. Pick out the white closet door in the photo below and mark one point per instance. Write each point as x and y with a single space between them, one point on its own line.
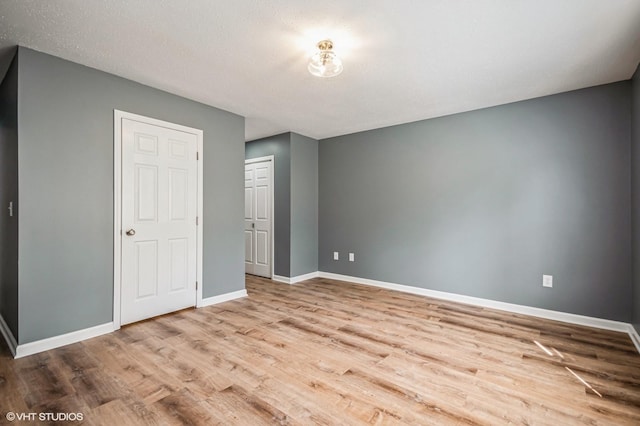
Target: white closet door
257 217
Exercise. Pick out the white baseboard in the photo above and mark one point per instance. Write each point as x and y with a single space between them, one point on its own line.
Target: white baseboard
8 336
31 348
635 337
214 300
62 340
486 303
305 277
19 351
77 336
281 279
296 279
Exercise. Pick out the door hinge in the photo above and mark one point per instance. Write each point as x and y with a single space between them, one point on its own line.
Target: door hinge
197 155
196 220
196 285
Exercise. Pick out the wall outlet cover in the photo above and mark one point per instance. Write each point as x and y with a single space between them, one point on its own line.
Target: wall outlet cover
336 255
352 257
547 281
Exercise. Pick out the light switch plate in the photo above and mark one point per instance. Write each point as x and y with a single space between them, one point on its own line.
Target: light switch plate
336 255
547 281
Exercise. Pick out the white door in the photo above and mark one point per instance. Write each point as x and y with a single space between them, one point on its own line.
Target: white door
159 209
257 218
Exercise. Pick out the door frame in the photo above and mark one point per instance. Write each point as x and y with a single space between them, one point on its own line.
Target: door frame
269 158
118 116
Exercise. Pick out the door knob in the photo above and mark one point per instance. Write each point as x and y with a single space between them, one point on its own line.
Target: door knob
131 232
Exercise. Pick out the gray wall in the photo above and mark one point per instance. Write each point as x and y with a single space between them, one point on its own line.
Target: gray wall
484 203
304 205
635 193
9 192
65 113
280 147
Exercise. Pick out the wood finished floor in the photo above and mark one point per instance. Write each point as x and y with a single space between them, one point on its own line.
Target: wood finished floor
333 353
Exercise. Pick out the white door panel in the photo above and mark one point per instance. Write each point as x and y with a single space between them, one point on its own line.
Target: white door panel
262 249
262 203
248 248
179 257
258 217
145 279
146 193
248 203
159 204
178 194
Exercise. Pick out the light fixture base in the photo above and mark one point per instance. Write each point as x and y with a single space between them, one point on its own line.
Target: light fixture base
325 63
325 45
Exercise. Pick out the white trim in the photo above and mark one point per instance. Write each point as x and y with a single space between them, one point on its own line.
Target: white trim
259 159
8 336
200 213
272 159
296 279
117 203
19 351
635 338
486 303
117 219
62 340
281 279
214 300
299 278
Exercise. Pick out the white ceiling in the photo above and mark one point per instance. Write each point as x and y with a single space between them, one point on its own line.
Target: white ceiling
404 60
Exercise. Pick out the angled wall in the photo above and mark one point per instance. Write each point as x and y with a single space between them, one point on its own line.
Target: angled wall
295 200
65 123
280 147
9 194
304 205
635 194
484 203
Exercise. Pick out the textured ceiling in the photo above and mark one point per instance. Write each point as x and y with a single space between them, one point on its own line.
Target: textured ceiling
404 60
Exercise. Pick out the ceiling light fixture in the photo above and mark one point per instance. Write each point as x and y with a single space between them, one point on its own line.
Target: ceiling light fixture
325 63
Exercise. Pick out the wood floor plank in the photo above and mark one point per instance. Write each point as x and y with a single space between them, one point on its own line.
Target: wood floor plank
329 352
12 389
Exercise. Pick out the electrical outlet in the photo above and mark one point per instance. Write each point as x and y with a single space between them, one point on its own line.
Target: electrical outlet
547 281
352 257
336 255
